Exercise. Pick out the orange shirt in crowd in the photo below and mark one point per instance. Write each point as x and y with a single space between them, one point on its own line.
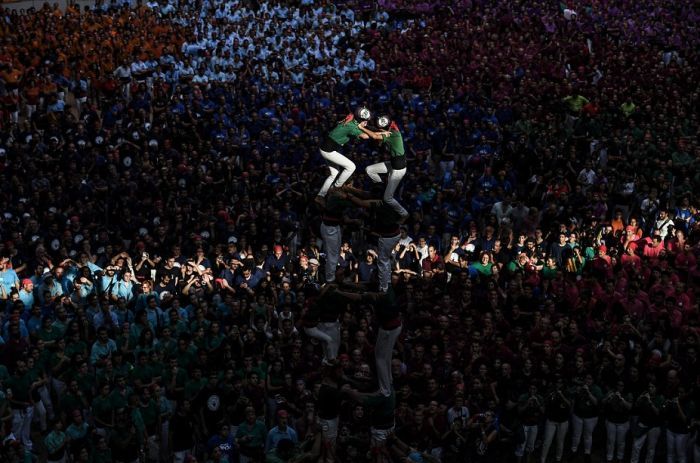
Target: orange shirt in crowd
83 42
617 225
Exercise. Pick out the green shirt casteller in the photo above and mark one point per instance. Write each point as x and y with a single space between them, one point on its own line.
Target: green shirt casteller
395 143
342 133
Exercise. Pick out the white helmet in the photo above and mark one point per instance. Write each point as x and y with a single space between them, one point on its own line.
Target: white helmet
382 121
363 113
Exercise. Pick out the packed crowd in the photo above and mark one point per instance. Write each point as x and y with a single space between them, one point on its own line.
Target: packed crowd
162 251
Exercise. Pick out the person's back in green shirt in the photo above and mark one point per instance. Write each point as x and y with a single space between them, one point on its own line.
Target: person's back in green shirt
395 144
344 131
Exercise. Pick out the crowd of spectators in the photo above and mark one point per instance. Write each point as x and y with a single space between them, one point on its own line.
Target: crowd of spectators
160 244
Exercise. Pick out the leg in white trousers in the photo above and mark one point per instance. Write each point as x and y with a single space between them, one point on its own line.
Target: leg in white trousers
332 330
651 437
328 183
46 399
386 245
676 447
153 448
315 332
528 445
341 168
392 183
22 425
40 415
332 237
383 350
43 409
552 430
59 387
582 428
374 170
615 445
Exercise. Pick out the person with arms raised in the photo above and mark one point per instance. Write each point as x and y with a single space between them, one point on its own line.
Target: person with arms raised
396 167
341 168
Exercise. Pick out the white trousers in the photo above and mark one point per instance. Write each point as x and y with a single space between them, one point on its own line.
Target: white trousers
329 428
383 351
332 330
40 415
651 438
528 445
386 245
341 168
392 183
554 430
329 335
59 387
378 437
582 428
153 448
31 109
616 435
22 425
332 239
676 447
43 409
